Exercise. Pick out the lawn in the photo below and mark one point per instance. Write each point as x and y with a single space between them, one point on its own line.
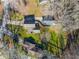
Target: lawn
55 44
35 36
23 33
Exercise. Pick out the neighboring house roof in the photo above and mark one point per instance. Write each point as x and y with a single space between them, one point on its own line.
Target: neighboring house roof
30 40
49 18
15 38
36 49
40 46
29 19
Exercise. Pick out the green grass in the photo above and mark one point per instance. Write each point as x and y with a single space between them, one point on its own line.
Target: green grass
23 33
58 42
35 36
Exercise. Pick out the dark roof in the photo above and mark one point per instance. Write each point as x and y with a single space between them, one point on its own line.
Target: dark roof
36 49
29 19
30 40
15 38
40 46
48 17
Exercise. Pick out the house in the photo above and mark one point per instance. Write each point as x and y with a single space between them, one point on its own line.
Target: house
32 47
29 21
16 38
28 43
31 24
48 20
